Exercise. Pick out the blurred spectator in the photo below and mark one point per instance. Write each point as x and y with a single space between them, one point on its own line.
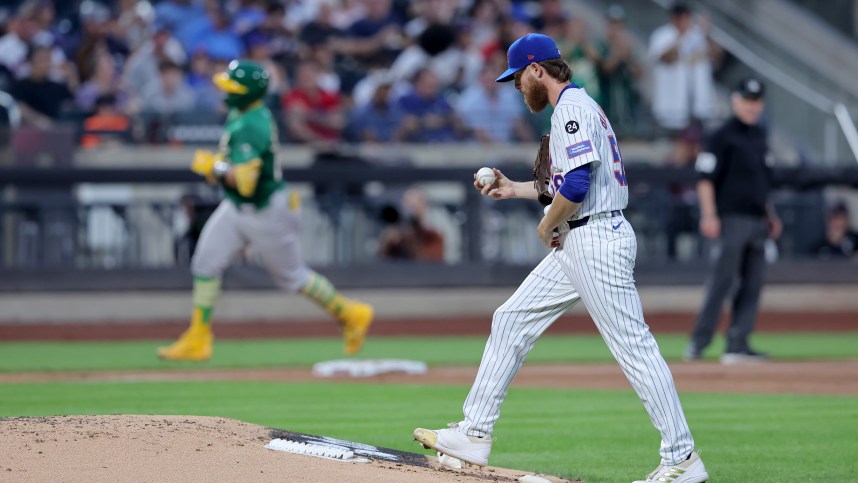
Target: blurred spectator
321 29
207 97
679 217
687 144
312 114
44 15
619 71
258 48
428 243
133 22
169 93
438 49
365 89
411 238
200 69
142 67
283 44
13 46
96 37
377 37
841 241
550 14
299 13
682 56
428 115
493 111
48 34
189 225
510 29
485 16
581 54
321 40
40 99
378 121
105 81
211 32
108 124
173 13
249 16
391 240
347 12
470 59
430 12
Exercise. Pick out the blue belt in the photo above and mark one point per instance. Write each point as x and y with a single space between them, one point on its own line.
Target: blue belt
583 221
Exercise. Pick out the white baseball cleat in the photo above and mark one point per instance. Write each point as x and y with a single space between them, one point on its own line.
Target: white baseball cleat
689 471
454 442
748 356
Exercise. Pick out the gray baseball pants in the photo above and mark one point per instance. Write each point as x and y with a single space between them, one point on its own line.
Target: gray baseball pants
740 264
272 233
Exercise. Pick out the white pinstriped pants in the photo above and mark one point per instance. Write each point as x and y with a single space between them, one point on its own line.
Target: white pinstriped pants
594 265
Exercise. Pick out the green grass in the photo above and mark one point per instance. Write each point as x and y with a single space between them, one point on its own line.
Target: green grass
593 435
599 436
103 356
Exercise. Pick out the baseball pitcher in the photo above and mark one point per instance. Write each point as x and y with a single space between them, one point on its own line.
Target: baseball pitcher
257 212
581 178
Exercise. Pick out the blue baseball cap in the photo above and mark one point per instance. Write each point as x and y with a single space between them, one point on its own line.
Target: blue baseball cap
528 49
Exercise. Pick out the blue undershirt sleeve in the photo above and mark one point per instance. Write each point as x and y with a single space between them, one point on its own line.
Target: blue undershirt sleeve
576 183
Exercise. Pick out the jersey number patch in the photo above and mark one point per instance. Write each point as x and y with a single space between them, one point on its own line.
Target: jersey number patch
619 174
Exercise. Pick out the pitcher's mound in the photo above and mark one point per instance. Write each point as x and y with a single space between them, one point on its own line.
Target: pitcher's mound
192 448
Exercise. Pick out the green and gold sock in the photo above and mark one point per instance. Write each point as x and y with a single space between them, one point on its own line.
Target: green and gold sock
206 291
320 290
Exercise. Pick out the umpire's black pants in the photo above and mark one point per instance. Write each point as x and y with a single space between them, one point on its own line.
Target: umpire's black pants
741 260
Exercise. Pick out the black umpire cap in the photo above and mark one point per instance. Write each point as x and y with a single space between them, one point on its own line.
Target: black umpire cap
750 88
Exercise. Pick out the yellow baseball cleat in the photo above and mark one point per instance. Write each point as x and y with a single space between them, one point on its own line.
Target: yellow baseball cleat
195 344
356 318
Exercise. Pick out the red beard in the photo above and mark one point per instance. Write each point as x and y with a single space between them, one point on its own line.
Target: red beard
535 96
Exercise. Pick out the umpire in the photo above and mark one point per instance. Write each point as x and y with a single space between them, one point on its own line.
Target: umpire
733 189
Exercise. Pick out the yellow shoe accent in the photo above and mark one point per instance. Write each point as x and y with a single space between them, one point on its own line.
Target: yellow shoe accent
294 201
195 344
356 318
426 437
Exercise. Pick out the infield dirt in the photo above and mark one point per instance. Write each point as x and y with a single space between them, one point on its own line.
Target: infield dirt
186 448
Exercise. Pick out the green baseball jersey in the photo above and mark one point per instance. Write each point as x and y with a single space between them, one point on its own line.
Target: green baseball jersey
249 135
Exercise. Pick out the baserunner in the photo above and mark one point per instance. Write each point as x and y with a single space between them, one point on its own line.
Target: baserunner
258 213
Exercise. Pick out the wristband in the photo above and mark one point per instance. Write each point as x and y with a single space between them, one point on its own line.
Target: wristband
220 169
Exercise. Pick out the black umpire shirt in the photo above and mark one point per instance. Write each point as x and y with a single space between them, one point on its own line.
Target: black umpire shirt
735 160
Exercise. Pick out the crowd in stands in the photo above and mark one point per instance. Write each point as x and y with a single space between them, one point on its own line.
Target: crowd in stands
342 70
367 71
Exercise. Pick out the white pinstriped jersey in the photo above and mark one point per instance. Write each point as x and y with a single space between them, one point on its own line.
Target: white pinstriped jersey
582 134
594 264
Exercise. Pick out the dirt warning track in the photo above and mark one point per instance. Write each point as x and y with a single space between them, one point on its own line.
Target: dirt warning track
834 377
414 326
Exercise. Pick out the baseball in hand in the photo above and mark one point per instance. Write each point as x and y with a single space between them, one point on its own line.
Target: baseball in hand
485 176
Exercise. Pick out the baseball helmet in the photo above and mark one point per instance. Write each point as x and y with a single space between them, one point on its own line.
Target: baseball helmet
244 82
